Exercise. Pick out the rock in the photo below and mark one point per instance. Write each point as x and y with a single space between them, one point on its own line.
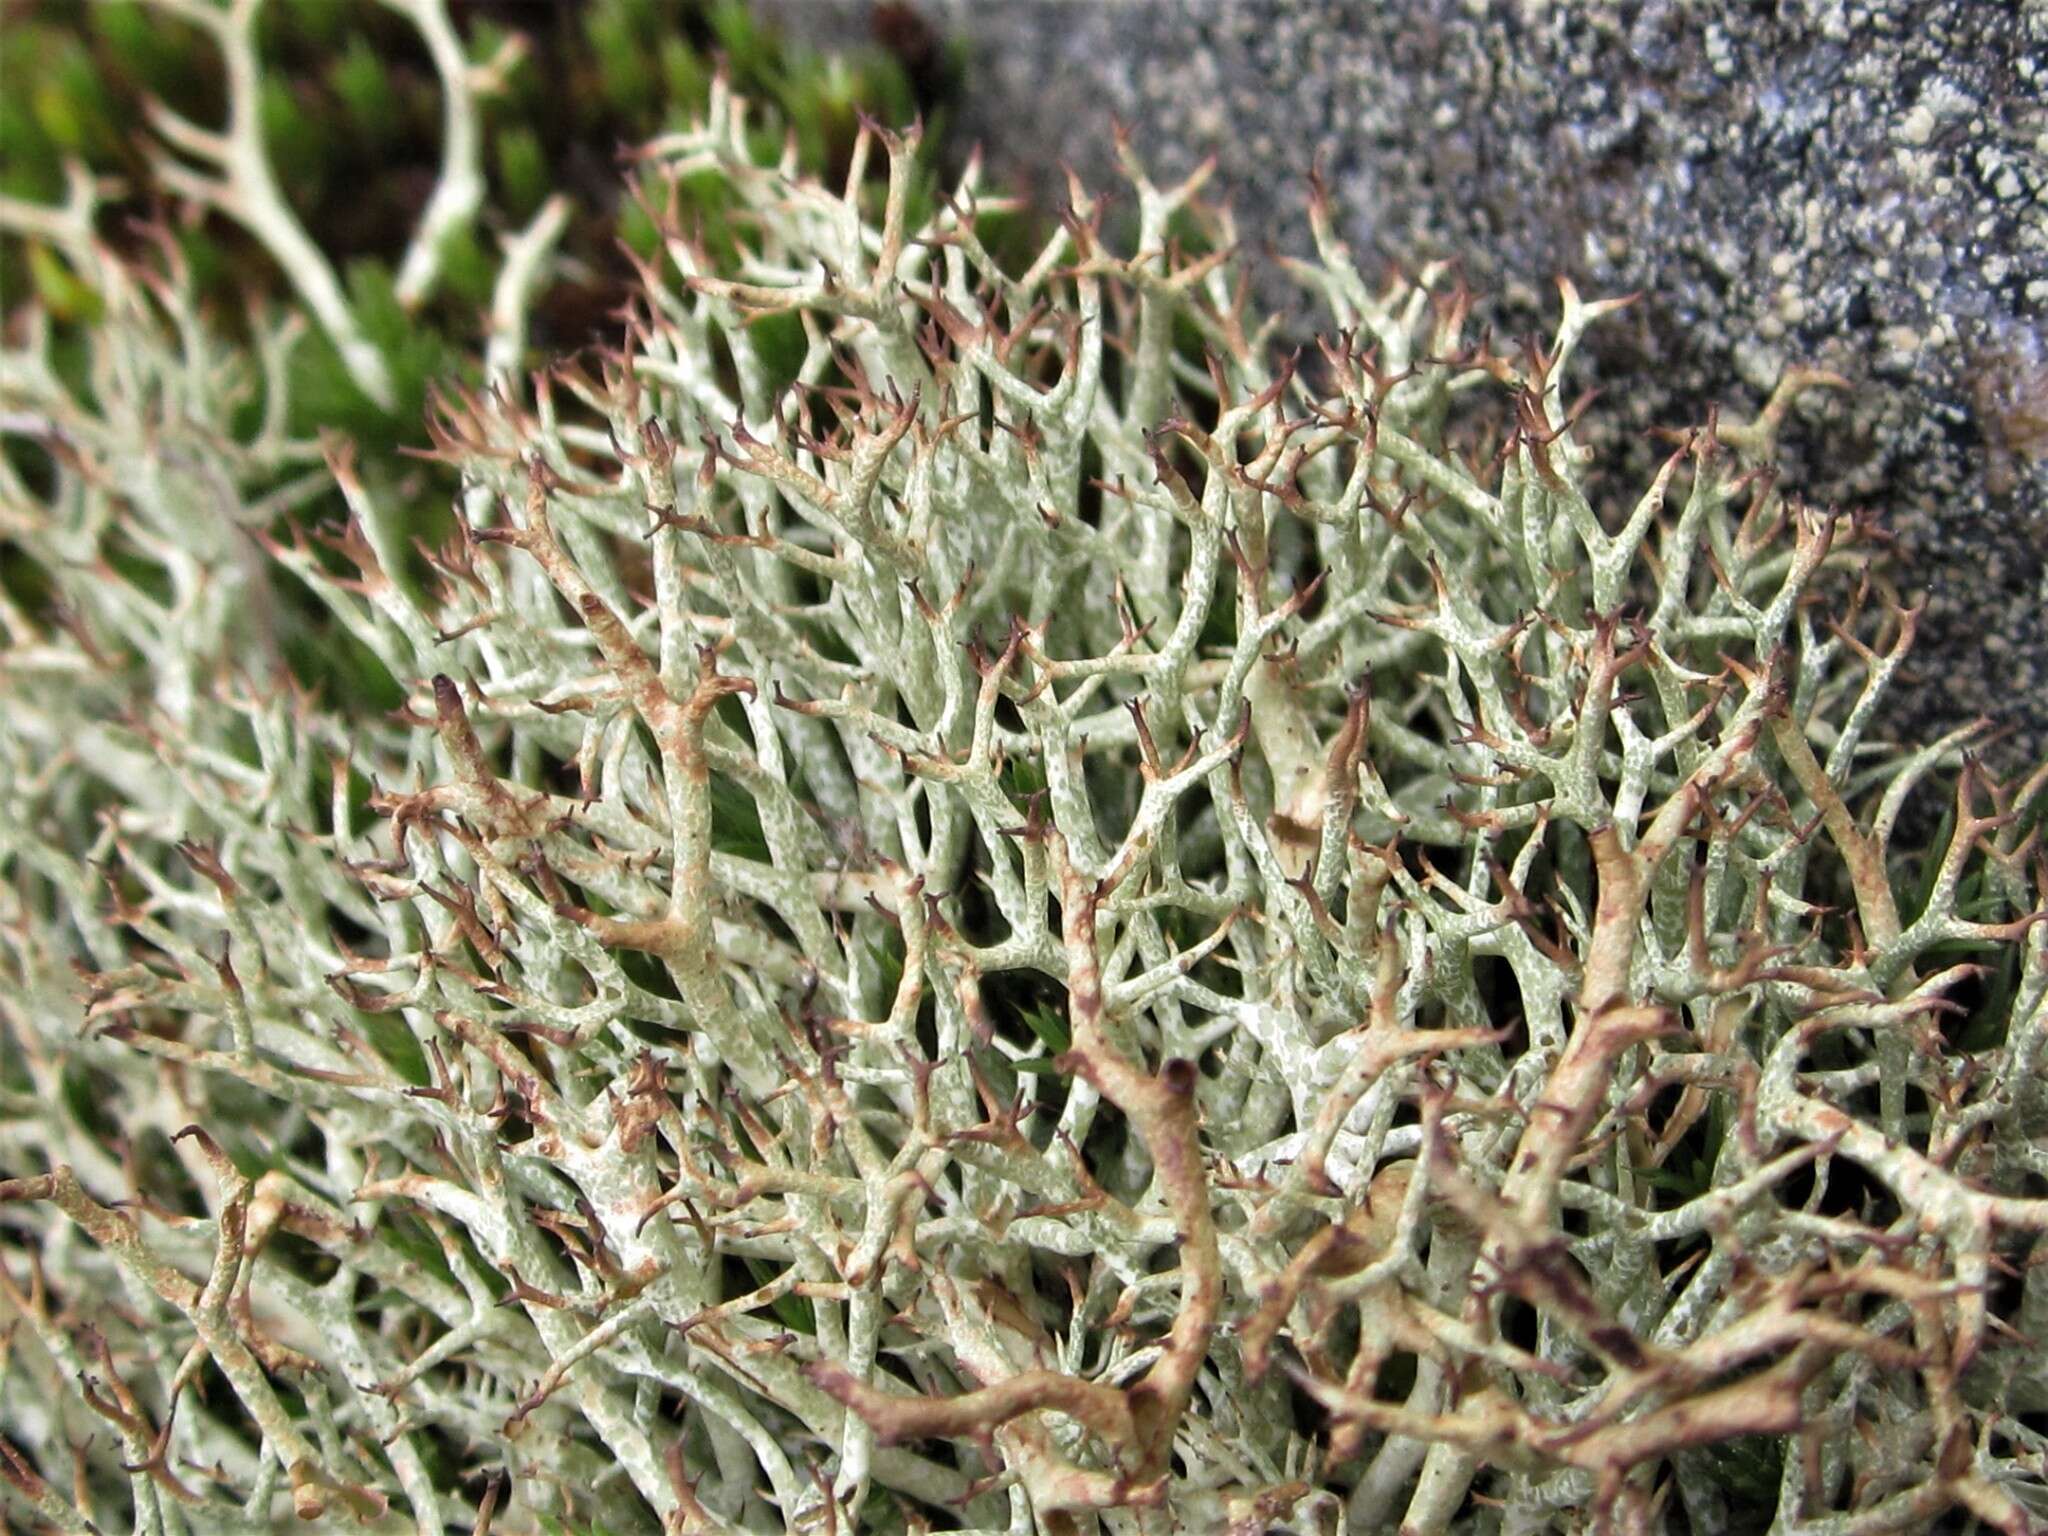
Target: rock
1858 184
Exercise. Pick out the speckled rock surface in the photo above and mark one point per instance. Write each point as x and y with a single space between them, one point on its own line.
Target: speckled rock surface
1860 184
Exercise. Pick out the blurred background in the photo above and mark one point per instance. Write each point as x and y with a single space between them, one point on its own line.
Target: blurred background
351 111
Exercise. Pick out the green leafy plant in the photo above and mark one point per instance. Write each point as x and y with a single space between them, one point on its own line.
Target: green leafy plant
990 903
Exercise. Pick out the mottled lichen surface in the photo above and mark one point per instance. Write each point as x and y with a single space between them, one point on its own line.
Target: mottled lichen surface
992 905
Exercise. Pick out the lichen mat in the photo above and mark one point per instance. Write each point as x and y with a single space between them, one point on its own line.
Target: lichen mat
994 906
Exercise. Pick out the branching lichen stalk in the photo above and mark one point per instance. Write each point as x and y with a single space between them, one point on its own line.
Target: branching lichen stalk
989 901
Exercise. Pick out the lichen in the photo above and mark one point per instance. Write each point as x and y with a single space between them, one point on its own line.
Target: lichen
1020 913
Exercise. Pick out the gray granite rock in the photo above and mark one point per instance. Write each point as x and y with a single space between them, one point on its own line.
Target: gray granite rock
1859 184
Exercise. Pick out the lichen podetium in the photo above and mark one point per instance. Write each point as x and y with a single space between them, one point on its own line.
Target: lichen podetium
992 905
